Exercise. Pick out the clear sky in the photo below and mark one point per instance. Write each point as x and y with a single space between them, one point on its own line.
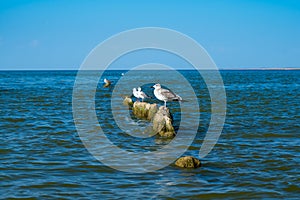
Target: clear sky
58 34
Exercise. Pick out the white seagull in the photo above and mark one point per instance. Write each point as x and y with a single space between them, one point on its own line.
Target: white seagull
135 93
142 94
164 94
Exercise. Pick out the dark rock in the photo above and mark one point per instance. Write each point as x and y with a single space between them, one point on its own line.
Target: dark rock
188 162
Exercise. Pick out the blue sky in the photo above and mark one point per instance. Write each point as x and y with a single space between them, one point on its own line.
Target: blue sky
59 34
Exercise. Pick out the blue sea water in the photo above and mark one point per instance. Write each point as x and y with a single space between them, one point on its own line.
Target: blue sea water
256 157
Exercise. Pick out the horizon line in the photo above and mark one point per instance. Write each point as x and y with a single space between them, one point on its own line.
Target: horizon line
182 69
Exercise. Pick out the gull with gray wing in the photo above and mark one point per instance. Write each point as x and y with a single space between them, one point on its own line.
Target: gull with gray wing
165 94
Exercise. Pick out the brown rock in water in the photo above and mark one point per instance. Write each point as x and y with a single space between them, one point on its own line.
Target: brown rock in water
128 101
188 162
144 110
162 123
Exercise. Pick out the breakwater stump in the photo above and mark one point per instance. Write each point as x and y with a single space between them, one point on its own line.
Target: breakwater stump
162 123
160 117
144 110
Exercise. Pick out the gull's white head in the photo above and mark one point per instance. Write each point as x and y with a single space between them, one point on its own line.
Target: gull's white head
134 90
139 89
157 86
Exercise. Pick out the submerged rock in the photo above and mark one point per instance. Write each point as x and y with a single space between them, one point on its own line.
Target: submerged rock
162 123
128 101
188 162
144 110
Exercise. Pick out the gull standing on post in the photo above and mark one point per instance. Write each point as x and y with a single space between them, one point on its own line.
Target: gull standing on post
142 94
164 94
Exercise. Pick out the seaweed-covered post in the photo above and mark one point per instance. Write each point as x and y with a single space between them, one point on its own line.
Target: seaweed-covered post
162 123
161 118
128 101
144 110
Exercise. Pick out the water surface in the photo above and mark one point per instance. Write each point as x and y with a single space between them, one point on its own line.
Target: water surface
257 155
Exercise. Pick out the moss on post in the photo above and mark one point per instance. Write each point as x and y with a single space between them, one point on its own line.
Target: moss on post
128 101
162 123
161 118
144 110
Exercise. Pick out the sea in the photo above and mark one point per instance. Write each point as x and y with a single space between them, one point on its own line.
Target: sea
43 156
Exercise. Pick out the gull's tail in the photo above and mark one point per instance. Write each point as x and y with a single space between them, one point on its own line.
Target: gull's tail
178 98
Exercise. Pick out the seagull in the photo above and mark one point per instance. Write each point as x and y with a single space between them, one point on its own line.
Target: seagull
142 94
164 94
107 82
135 93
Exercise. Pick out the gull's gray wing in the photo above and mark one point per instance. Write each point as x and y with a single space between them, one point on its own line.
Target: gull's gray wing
168 94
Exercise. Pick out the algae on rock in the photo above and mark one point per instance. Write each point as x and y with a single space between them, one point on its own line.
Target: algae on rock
188 162
144 110
162 123
128 101
161 118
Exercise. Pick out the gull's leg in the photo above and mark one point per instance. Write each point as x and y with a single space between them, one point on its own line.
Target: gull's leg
165 104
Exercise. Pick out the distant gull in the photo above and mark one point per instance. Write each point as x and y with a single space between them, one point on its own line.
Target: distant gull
142 94
122 74
164 94
135 93
107 82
